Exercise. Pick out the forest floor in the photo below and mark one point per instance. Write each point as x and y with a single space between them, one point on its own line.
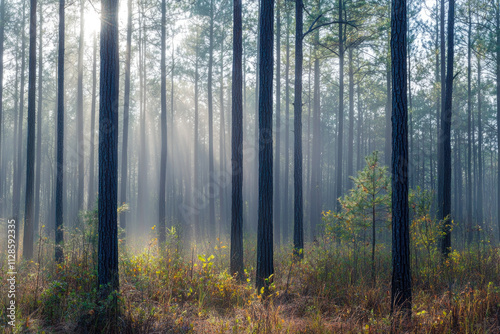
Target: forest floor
188 290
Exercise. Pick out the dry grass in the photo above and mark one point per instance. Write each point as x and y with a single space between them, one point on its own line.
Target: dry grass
191 292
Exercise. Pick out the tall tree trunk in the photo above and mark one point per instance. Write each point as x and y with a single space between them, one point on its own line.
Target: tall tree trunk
108 279
38 130
142 163
359 148
401 275
350 150
19 166
236 265
79 110
469 133
211 203
315 193
479 199
265 265
30 156
222 154
175 197
277 160
497 17
91 195
197 228
126 108
298 227
59 255
340 130
444 177
411 169
163 121
286 224
388 109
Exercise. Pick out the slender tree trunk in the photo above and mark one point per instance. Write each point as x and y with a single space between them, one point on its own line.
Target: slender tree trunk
30 161
444 177
175 197
340 129
277 160
142 163
236 265
360 128
16 192
91 196
298 230
59 255
222 132
126 108
315 204
210 123
401 274
388 109
480 218
265 265
286 202
197 227
79 110
469 132
38 130
411 169
497 17
350 150
163 121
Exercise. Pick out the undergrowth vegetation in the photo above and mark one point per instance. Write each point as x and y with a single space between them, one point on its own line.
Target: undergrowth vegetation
190 291
341 286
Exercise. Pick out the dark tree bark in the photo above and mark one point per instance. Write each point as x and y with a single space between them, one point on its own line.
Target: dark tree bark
59 255
211 201
163 121
30 156
359 144
287 130
108 279
79 110
315 204
298 227
340 129
401 276
38 129
469 130
236 265
265 265
350 151
497 17
19 165
480 145
126 108
91 195
277 160
444 176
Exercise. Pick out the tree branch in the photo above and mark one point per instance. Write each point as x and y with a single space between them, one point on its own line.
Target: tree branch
311 29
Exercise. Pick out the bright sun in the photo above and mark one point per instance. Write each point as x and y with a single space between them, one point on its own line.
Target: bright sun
93 18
